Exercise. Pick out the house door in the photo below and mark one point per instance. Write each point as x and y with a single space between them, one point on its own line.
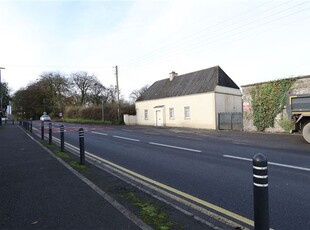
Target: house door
159 118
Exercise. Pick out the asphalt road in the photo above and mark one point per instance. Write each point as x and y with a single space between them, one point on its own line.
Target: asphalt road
211 165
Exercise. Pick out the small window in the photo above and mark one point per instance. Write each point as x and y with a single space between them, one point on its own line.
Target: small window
187 113
146 114
171 113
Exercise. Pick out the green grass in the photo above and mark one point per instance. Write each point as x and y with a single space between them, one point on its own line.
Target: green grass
86 121
150 214
77 165
286 124
62 155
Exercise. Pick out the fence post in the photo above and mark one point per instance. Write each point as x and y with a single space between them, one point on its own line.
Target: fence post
260 187
42 130
62 138
82 147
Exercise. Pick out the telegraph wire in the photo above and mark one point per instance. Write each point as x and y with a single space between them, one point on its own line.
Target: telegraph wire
193 48
173 45
58 66
196 34
189 52
218 37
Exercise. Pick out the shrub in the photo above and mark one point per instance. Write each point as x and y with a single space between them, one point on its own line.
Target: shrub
72 112
268 100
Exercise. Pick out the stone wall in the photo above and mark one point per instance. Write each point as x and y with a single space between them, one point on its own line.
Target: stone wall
300 86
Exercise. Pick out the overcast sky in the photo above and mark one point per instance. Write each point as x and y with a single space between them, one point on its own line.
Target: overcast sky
251 40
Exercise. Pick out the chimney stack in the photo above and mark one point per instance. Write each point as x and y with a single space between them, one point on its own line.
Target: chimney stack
172 75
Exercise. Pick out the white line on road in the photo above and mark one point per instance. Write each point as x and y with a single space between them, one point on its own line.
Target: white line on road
271 163
189 138
175 147
152 133
103 134
126 138
128 130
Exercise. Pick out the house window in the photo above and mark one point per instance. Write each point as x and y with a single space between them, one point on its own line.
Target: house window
171 113
146 114
187 112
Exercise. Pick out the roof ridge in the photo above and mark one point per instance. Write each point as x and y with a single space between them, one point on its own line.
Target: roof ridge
200 81
217 66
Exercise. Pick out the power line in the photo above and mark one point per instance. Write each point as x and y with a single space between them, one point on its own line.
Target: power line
232 32
189 38
58 66
197 34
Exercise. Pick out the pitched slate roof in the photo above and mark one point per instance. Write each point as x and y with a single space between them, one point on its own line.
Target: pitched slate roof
201 81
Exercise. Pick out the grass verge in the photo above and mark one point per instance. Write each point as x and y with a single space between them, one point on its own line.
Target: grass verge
150 214
65 156
77 165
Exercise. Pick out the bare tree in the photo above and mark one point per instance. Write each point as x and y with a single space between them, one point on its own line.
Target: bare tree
83 83
138 92
97 94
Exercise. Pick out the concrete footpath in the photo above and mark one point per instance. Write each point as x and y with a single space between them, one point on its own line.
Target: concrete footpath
38 192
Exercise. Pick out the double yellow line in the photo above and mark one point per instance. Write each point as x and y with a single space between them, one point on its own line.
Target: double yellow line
179 195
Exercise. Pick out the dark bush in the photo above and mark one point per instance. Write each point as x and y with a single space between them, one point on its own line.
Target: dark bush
72 112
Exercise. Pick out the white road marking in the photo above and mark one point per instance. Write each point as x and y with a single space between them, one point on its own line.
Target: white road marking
271 163
128 130
152 133
290 166
189 138
126 138
103 134
175 147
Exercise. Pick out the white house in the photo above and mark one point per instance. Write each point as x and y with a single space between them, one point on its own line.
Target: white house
189 100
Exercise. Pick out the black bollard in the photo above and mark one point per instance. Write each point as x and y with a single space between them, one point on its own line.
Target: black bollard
260 186
42 130
62 138
50 133
82 147
31 125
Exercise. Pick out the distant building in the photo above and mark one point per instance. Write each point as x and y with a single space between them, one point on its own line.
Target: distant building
192 100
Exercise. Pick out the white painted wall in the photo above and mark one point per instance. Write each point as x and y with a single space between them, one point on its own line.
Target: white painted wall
202 111
228 100
130 119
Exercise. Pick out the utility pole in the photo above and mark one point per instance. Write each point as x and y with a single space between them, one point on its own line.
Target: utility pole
117 86
1 97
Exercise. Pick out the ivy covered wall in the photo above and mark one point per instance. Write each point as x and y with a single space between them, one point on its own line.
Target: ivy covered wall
264 104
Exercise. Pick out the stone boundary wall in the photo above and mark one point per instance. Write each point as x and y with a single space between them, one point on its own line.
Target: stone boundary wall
300 86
